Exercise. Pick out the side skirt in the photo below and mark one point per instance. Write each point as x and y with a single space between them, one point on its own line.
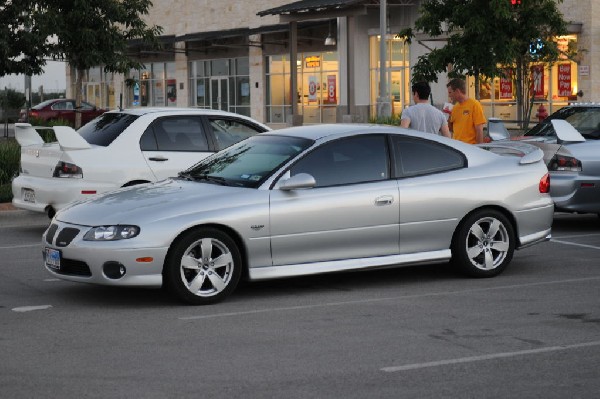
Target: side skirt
303 269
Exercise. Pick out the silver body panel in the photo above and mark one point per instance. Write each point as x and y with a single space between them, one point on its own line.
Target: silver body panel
283 233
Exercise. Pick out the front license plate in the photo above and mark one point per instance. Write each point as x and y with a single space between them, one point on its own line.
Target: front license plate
28 195
53 258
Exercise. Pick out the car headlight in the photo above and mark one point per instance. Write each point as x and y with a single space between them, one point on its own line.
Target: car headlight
111 233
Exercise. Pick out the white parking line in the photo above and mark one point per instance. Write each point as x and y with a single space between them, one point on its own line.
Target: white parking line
22 246
31 308
575 244
375 300
491 356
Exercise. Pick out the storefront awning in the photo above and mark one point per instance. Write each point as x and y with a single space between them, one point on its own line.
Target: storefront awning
319 6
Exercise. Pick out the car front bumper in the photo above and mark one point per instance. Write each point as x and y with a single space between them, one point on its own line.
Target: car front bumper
86 261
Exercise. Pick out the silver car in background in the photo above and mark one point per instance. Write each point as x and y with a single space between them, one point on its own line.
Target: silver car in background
307 200
570 139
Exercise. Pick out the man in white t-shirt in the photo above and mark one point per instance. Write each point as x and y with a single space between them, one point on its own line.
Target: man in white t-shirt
423 116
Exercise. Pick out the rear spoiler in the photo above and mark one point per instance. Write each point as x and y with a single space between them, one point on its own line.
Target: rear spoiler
528 153
67 137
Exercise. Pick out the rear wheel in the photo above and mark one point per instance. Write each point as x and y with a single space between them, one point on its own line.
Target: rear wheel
204 266
484 244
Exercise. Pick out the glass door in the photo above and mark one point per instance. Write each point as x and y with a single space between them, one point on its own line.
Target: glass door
219 93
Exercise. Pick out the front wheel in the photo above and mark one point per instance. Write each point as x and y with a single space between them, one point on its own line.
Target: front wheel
484 244
203 267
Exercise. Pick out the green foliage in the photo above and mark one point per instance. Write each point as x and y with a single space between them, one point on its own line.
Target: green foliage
23 33
10 154
393 120
486 36
11 99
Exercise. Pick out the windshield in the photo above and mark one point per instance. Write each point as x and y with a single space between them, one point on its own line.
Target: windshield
585 119
248 163
105 128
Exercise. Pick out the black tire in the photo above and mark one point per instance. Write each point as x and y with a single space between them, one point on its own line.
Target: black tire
484 244
203 267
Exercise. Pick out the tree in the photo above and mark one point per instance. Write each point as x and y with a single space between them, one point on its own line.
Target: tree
485 37
24 44
94 33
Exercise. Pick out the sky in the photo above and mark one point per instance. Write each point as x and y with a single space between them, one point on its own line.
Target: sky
53 79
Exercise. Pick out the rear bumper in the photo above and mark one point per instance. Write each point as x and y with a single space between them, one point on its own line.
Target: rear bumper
535 225
53 192
573 192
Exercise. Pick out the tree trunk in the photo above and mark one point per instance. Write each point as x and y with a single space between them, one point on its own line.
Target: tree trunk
78 91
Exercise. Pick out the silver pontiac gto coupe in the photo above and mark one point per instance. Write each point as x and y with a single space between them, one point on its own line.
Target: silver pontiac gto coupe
308 200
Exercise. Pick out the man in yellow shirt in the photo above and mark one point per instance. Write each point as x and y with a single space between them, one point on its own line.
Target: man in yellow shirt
466 119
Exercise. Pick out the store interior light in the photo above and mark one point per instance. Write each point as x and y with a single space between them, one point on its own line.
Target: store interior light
330 40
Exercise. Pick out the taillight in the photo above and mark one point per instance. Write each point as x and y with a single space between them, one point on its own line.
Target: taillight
564 163
33 114
65 169
545 184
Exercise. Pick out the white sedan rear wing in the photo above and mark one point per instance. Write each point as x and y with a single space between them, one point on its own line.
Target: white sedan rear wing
67 137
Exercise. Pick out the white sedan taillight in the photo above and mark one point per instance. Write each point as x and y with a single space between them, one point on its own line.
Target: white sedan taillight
69 170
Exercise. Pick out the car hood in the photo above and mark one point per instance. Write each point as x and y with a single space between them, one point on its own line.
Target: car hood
156 201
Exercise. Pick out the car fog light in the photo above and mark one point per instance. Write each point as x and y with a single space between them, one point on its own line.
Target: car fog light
114 270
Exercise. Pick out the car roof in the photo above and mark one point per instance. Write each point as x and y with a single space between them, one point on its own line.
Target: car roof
329 131
152 110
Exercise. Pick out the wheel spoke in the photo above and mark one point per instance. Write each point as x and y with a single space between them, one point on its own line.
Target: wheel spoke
189 262
206 246
223 260
217 282
500 246
494 227
197 282
489 260
474 251
477 232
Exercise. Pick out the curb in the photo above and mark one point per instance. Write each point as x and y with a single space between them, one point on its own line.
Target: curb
7 206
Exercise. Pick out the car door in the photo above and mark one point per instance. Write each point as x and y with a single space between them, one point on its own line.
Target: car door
174 143
352 212
431 193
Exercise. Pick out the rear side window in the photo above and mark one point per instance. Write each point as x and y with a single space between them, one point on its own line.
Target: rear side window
230 131
416 157
178 133
105 129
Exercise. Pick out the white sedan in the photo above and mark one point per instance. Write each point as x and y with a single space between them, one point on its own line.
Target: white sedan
118 149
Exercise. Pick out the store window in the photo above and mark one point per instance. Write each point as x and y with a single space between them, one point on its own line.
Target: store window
154 86
553 85
398 72
98 88
318 87
220 84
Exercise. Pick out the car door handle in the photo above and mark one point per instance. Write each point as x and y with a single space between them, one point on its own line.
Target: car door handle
159 159
384 200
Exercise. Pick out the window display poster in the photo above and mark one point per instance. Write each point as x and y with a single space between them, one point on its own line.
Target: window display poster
312 88
331 89
506 85
537 81
564 80
171 91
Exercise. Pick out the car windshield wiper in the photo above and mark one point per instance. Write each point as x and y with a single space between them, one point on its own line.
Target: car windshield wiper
185 176
210 178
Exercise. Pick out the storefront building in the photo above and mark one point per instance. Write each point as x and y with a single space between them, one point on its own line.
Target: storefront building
308 61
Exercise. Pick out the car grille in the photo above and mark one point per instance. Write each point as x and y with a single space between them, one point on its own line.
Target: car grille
74 268
51 232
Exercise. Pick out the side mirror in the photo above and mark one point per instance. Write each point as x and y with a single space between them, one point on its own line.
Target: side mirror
301 180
